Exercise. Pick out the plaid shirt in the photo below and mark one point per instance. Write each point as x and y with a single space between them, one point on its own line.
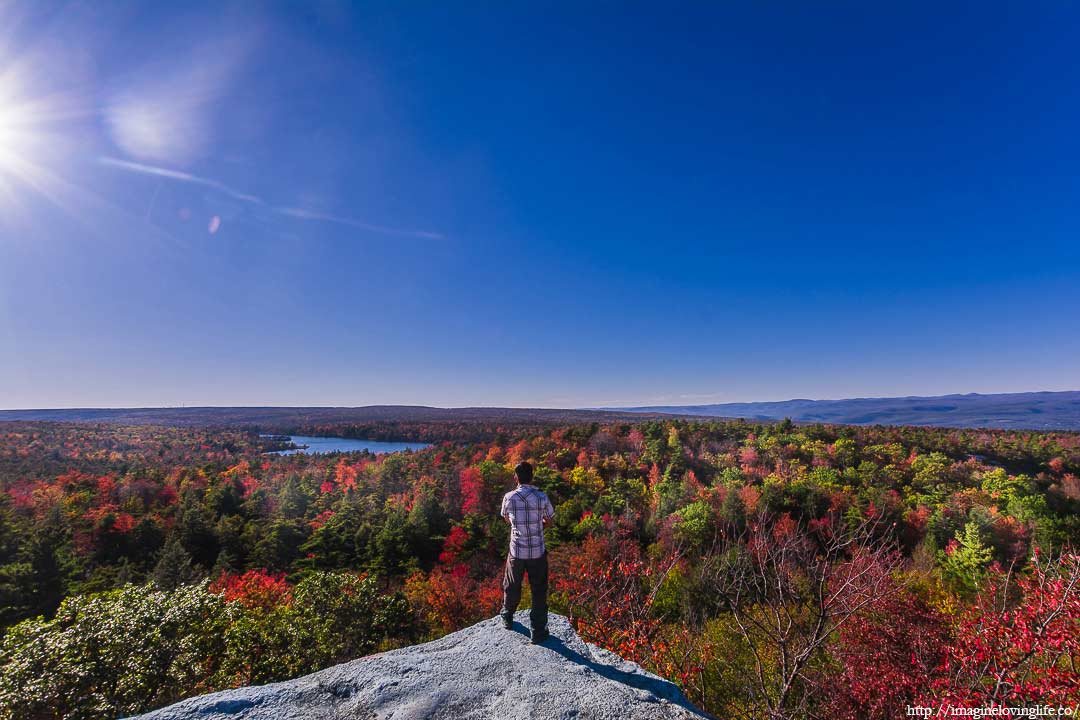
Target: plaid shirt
525 508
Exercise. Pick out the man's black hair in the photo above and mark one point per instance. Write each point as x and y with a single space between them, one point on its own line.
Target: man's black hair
523 472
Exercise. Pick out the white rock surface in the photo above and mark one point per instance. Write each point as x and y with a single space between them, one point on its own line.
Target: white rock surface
484 671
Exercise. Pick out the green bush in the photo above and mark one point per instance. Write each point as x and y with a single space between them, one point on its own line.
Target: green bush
112 653
138 648
695 524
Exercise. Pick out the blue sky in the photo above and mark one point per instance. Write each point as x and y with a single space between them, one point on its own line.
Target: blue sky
536 204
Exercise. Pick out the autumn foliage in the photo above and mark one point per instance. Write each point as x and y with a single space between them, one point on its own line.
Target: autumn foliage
720 555
610 592
1019 643
887 654
254 589
449 598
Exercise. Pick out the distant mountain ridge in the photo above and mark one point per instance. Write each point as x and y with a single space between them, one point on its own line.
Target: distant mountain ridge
1011 411
289 417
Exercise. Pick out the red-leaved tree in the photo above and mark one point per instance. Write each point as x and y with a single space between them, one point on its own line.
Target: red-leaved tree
611 592
450 599
1019 643
887 654
254 589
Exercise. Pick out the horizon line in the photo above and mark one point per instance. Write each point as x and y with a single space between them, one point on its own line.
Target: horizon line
532 407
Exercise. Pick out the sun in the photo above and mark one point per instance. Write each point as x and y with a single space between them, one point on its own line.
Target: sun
16 135
24 144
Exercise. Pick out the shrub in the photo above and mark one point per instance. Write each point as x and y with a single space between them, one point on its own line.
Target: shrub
112 653
137 648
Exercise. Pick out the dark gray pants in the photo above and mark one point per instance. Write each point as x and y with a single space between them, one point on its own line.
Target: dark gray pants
537 570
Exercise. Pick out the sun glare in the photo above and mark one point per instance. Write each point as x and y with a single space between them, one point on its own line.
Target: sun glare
23 144
8 137
16 124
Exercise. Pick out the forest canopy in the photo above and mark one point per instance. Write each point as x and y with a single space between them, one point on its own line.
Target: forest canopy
941 559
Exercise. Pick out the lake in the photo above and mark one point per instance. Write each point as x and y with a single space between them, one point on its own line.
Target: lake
320 445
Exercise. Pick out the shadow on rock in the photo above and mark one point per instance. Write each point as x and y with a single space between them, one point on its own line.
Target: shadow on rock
657 686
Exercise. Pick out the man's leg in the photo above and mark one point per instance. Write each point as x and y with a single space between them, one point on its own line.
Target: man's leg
538 584
511 584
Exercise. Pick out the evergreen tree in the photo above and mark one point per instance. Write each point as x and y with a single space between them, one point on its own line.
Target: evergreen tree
333 545
147 539
279 546
226 497
427 520
174 567
966 558
292 502
226 562
230 534
195 527
11 531
393 544
732 512
15 600
14 570
53 564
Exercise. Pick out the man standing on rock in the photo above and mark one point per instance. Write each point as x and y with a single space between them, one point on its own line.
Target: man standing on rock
528 510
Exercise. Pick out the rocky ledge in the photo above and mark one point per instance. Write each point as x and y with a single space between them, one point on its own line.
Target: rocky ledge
484 671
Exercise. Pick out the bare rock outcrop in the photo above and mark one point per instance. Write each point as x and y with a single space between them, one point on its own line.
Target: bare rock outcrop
484 671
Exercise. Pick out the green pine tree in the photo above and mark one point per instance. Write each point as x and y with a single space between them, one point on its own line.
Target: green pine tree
53 564
965 565
174 567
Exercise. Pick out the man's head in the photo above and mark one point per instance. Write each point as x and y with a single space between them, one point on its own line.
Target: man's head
523 473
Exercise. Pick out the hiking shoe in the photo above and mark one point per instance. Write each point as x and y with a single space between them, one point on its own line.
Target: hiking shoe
508 622
539 636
